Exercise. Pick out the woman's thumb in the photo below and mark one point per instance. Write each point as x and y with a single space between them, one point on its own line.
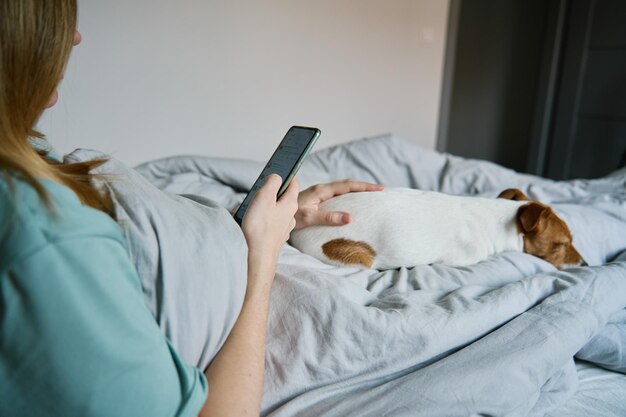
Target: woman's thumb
334 218
272 184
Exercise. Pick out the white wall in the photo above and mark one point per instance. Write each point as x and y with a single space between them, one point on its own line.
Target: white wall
154 78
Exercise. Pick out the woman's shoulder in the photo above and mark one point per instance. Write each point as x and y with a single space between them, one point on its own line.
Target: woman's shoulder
28 224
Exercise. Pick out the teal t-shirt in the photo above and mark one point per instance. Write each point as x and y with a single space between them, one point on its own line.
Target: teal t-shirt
76 338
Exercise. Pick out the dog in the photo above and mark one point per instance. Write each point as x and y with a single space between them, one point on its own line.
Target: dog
405 228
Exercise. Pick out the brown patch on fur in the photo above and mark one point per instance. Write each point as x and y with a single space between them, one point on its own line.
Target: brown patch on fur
349 252
513 194
546 235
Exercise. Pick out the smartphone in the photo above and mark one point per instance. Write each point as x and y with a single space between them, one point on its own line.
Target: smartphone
285 161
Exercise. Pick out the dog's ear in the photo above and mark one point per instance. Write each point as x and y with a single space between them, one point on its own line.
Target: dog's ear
513 194
532 217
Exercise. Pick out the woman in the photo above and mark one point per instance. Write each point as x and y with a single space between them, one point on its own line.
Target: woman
75 336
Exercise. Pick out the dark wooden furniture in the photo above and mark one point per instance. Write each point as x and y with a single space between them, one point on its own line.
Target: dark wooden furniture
537 85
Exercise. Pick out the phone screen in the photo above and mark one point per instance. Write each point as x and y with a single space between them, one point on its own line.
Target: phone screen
285 162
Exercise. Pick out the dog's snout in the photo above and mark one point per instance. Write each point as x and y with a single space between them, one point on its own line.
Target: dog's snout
573 256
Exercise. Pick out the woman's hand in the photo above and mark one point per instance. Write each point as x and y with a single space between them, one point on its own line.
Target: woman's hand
268 223
309 211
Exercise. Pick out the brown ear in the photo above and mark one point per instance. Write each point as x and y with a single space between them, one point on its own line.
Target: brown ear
513 194
532 217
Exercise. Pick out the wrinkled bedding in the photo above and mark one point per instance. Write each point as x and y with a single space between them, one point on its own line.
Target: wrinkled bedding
498 338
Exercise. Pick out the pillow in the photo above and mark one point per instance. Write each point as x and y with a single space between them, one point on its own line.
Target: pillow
191 258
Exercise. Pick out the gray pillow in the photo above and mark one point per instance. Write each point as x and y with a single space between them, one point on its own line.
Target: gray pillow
191 258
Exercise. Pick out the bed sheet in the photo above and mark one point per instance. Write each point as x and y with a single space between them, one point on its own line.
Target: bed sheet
497 338
600 393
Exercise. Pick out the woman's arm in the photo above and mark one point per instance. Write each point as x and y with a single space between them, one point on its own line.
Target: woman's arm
235 377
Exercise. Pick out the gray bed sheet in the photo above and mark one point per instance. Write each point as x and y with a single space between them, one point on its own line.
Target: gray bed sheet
600 393
497 339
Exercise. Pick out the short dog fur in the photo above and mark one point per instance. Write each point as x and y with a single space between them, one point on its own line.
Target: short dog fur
404 228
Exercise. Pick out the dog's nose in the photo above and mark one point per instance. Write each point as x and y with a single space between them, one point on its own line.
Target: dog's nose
583 262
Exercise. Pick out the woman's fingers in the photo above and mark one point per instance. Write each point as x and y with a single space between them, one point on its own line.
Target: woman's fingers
291 193
334 218
325 192
352 186
310 210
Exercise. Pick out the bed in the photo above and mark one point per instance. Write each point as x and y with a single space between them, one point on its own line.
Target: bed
510 336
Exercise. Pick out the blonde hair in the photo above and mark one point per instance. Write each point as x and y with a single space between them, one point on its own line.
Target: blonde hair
36 38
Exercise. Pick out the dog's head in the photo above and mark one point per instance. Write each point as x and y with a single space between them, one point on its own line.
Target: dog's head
546 235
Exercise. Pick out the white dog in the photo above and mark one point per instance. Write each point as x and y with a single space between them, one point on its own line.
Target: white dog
405 227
